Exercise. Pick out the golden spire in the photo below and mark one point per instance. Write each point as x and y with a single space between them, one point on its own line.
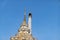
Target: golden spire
24 22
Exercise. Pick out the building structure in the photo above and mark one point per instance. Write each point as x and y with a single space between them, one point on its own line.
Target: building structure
25 31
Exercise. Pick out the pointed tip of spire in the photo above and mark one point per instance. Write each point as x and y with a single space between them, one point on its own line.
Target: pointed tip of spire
25 14
24 11
24 22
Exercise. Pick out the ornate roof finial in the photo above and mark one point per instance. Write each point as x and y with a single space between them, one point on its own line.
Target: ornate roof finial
24 12
24 22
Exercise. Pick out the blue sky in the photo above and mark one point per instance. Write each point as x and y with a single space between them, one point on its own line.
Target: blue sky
45 18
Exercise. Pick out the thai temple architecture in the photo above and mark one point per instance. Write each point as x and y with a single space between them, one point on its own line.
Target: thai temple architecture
25 31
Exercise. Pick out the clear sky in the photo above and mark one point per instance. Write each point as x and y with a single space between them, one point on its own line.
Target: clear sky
45 18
